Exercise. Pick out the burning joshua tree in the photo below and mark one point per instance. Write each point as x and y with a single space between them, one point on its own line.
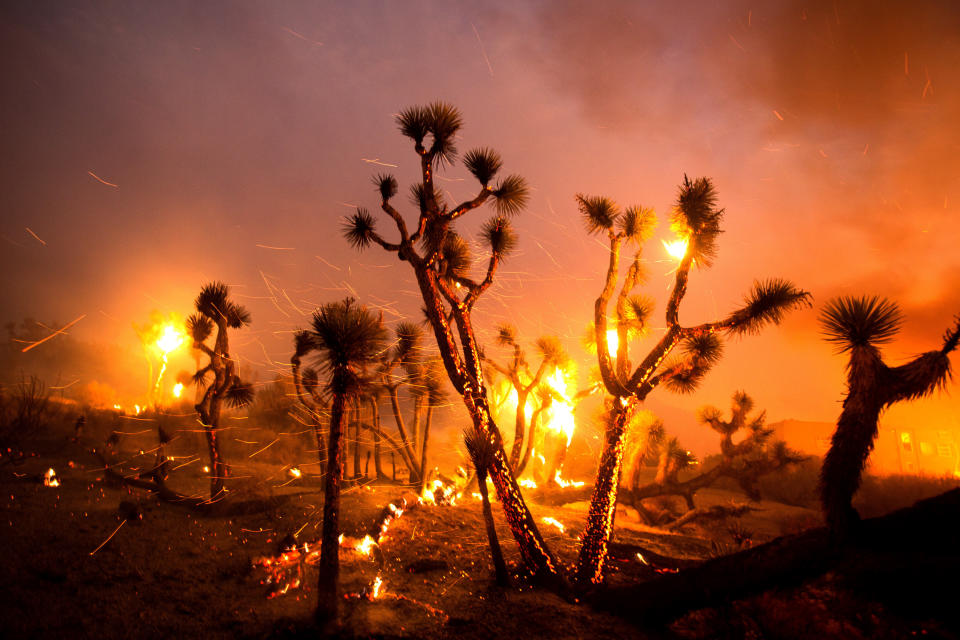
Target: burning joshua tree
349 338
696 221
440 261
859 326
215 309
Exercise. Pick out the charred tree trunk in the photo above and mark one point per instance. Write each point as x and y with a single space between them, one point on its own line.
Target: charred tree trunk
893 544
327 599
603 504
423 446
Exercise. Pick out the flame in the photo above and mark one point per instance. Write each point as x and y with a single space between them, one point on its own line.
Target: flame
295 472
50 478
528 483
554 522
566 483
206 469
375 590
177 389
676 249
613 341
170 338
137 409
366 545
118 407
560 418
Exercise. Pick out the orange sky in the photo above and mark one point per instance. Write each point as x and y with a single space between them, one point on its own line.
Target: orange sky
152 147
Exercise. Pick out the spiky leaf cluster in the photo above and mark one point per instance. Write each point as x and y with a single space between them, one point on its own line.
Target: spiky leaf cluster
359 229
214 303
386 185
481 448
552 351
636 224
850 322
700 353
512 195
498 233
199 326
506 335
483 163
441 121
697 219
240 394
767 303
347 333
456 256
598 213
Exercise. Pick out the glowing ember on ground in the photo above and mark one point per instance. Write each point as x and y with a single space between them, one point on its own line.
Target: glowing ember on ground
50 478
206 469
295 472
375 589
641 558
676 249
439 493
566 483
553 521
365 545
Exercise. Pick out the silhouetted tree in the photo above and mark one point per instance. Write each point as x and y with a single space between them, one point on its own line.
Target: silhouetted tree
215 309
482 451
440 260
745 461
859 326
696 219
517 372
348 338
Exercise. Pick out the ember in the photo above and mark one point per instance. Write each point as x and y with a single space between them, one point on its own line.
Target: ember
50 478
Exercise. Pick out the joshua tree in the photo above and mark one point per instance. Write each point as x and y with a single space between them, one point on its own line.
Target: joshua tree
745 461
348 338
441 262
517 372
696 220
215 309
859 326
482 451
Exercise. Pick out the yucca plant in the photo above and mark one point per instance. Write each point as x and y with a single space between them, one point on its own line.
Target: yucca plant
216 310
696 220
482 451
517 371
348 339
858 326
442 265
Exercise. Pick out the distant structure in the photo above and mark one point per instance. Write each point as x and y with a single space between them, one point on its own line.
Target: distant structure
927 450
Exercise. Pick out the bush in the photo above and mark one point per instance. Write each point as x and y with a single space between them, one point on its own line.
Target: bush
24 408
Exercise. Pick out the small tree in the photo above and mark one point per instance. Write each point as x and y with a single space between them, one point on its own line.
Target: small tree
745 462
517 371
215 309
348 338
696 220
859 326
481 452
441 262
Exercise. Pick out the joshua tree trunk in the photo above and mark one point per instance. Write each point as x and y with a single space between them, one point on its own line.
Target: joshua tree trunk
499 566
218 469
377 462
423 448
327 599
603 504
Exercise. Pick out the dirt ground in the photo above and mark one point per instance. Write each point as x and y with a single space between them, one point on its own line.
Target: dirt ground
169 571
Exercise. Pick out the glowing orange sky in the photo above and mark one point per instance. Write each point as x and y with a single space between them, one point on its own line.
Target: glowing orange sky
151 147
